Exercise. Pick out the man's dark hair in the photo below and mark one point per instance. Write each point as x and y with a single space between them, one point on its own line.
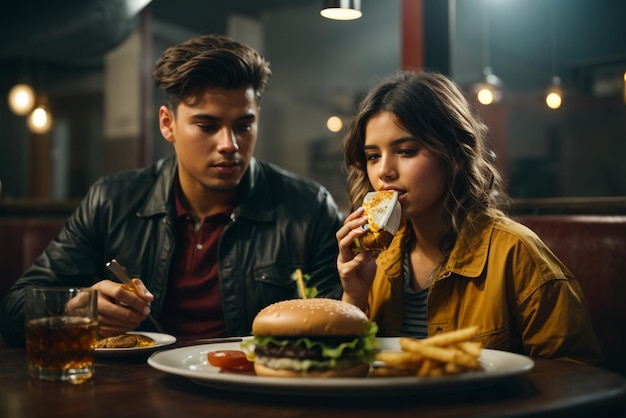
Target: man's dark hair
186 70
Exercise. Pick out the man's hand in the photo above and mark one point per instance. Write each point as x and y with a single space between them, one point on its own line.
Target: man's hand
120 308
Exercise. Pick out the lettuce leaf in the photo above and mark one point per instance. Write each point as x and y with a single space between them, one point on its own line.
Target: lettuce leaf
363 348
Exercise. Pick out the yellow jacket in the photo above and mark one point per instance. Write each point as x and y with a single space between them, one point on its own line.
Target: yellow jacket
502 278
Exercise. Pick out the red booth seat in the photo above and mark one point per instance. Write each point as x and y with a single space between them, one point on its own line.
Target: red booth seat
594 248
21 241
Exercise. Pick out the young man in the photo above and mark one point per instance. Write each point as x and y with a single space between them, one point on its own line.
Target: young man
213 233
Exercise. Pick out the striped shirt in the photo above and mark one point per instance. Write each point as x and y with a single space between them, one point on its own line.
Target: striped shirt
414 321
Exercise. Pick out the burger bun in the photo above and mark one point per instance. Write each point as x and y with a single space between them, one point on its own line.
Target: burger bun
316 317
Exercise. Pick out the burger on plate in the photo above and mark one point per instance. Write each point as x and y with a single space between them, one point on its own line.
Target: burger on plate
383 220
311 338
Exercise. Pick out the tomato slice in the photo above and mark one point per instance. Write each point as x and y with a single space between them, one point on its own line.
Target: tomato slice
230 359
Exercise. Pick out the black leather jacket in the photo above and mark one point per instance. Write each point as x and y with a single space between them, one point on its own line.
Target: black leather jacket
282 222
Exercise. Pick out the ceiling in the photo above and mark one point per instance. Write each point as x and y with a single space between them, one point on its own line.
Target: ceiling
67 38
71 36
210 16
74 32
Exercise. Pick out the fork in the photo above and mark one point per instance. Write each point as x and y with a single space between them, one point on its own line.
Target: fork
123 277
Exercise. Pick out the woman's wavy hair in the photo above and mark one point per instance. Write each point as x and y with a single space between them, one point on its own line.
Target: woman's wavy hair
185 71
434 110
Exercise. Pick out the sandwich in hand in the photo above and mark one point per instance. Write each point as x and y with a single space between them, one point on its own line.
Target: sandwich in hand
311 338
383 219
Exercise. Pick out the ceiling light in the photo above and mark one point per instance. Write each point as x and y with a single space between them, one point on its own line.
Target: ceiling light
21 99
489 90
342 9
334 124
554 95
40 120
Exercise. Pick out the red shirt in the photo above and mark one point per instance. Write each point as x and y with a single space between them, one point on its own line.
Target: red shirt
193 303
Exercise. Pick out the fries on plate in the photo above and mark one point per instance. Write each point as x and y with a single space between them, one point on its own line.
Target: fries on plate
443 354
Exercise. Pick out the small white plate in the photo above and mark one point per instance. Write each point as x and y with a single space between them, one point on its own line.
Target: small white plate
191 362
161 340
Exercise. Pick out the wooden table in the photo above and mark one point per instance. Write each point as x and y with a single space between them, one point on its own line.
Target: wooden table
132 388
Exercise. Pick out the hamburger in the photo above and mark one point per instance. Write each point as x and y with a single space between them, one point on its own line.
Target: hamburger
311 338
383 219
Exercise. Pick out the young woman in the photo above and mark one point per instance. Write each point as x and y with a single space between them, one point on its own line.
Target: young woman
457 259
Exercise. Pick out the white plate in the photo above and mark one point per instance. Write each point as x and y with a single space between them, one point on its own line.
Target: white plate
191 362
161 340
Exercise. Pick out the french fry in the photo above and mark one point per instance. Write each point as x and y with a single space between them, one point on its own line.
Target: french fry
426 368
452 368
436 371
444 354
471 348
401 360
445 338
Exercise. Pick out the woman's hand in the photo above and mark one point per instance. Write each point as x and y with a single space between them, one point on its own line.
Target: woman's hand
356 270
121 309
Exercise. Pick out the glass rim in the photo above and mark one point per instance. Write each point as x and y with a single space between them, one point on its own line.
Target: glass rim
59 288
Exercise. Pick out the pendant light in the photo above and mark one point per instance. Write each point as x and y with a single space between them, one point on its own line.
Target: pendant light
554 93
21 99
40 119
341 9
489 89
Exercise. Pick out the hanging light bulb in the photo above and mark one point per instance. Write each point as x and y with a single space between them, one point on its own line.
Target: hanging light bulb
341 9
488 91
40 119
485 95
334 124
554 95
21 99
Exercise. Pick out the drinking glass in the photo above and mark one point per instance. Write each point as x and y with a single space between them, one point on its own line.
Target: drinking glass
61 333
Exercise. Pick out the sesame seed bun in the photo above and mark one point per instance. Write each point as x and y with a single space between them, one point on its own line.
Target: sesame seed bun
316 337
318 317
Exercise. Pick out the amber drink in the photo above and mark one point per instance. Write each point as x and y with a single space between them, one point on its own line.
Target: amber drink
61 333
